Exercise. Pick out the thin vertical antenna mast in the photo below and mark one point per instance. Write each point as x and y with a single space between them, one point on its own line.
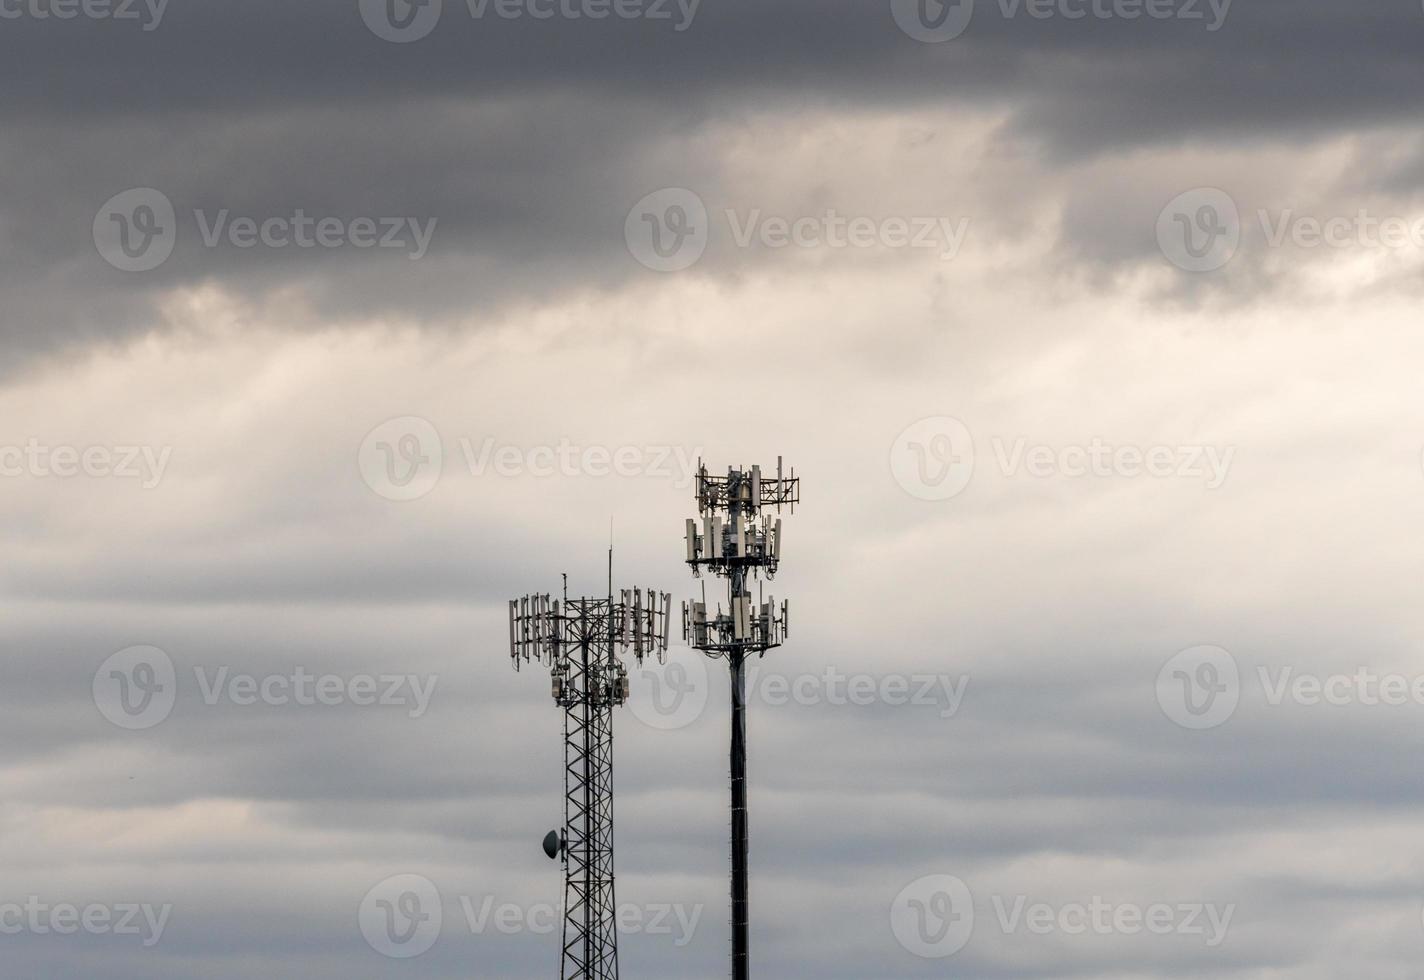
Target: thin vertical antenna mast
749 545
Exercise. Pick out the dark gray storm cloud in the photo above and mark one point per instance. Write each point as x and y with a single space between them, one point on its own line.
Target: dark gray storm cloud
522 142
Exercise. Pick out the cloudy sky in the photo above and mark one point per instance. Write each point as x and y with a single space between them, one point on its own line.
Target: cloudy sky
1091 327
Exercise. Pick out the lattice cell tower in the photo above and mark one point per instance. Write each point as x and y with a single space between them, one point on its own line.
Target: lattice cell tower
582 642
739 539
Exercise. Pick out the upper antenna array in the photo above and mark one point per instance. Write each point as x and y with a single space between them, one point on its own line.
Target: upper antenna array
543 630
739 534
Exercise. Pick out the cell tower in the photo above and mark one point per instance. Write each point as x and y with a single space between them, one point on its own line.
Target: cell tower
738 540
582 642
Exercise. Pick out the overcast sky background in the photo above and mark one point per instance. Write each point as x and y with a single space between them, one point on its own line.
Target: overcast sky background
1130 264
